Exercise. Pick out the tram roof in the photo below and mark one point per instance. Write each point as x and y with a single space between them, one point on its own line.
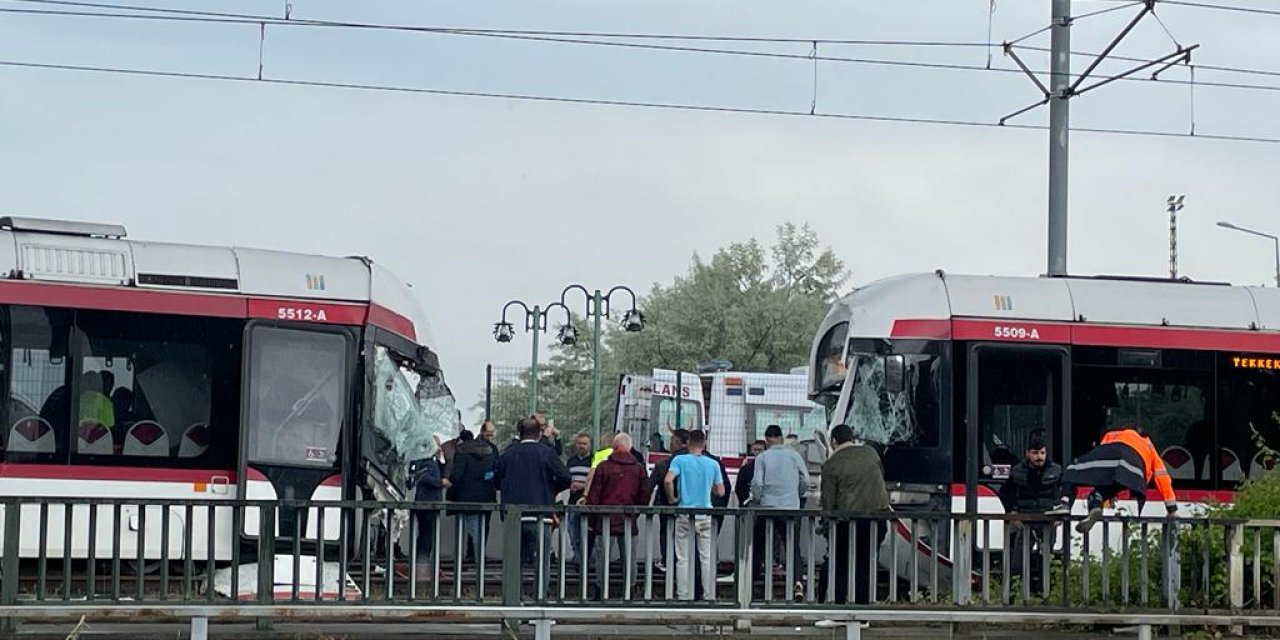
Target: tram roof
876 308
57 251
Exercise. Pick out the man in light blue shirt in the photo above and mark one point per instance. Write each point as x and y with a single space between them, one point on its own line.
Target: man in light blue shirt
691 481
778 482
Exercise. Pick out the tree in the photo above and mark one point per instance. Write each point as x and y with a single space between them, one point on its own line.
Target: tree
755 308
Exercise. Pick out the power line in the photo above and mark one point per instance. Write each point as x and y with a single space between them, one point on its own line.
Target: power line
1221 7
614 103
189 15
576 38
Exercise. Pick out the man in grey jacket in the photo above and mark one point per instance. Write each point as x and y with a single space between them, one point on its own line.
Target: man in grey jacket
778 482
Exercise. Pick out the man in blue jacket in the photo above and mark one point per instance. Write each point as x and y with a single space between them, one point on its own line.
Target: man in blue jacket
529 473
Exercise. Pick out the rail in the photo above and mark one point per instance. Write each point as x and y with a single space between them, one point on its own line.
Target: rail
176 559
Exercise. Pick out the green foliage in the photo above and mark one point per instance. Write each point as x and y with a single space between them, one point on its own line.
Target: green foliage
755 307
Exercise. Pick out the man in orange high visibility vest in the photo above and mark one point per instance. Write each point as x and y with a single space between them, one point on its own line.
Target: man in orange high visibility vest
1125 459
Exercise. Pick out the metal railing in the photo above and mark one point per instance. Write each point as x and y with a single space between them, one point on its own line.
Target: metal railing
65 554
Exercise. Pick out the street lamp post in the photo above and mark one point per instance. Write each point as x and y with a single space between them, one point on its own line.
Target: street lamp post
597 308
1273 238
535 321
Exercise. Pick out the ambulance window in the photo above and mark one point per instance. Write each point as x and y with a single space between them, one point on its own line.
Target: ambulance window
297 396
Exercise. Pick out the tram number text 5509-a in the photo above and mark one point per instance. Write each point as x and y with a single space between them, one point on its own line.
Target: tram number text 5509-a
305 315
1015 333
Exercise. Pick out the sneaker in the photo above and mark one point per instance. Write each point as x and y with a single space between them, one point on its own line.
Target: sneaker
725 579
1061 509
1095 514
660 566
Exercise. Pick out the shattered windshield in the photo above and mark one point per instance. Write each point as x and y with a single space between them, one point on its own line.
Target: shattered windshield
906 417
409 409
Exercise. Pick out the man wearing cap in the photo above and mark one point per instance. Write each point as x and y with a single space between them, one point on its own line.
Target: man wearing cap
778 482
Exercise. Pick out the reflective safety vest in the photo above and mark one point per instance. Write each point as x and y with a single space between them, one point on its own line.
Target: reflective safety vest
1154 465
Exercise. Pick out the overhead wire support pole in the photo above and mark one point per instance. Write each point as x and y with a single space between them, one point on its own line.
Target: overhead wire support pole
1059 127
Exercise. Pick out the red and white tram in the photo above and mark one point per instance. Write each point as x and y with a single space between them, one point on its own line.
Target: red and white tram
155 370
951 374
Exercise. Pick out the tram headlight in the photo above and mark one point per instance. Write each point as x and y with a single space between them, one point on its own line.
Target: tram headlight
633 321
503 331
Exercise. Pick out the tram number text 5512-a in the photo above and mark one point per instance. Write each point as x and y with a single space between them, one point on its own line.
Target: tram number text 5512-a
305 315
1015 333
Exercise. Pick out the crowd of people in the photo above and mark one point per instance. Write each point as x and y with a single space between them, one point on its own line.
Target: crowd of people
531 475
533 472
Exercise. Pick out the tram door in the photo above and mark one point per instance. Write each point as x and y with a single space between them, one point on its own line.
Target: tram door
297 405
1017 394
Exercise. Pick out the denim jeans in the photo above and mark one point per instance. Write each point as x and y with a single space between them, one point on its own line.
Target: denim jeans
470 527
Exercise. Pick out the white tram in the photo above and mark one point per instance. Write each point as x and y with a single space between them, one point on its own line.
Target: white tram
155 370
949 375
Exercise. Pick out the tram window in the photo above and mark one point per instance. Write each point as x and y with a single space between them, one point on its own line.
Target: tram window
908 417
156 390
1172 405
1248 411
39 405
298 398
831 349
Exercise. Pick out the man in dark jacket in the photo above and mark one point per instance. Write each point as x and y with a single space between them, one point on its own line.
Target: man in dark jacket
1033 487
748 471
472 479
579 465
619 480
679 438
530 473
429 487
852 483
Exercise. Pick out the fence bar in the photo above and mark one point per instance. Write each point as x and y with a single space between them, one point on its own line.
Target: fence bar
1144 581
811 558
42 563
437 573
541 560
415 534
68 512
266 558
210 559
833 530
604 558
1027 535
584 543
915 560
10 562
873 565
1006 562
481 553
1257 568
670 544
366 562
389 582
1106 561
628 558
117 510
1124 562
650 533
238 515
851 571
165 516
142 550
188 562
1235 564
320 540
1275 566
986 563
344 540
789 562
893 548
768 559
933 577
91 580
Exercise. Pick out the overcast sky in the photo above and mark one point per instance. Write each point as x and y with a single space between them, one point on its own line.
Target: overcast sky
478 201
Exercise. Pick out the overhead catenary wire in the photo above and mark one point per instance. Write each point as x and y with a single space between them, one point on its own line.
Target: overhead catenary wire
671 106
582 38
191 15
